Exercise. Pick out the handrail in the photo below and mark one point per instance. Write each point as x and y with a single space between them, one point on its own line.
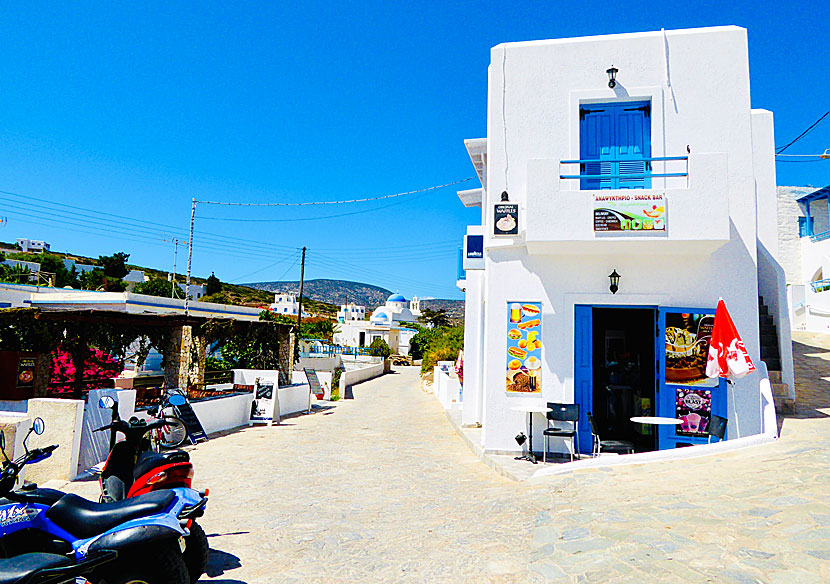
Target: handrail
820 284
820 236
655 159
641 175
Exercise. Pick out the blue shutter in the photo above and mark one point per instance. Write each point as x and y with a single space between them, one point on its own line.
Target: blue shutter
805 227
615 132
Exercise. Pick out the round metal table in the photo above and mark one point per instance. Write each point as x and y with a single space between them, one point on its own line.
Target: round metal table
530 409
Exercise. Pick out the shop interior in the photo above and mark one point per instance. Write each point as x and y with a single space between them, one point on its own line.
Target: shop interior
624 374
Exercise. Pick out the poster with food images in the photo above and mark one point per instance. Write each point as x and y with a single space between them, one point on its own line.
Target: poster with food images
694 407
687 348
630 213
524 347
26 373
506 219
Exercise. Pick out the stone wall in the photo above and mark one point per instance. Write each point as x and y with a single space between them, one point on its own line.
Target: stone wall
789 242
287 341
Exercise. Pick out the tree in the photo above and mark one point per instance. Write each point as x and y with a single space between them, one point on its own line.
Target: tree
54 265
97 280
380 348
115 265
435 318
214 286
158 287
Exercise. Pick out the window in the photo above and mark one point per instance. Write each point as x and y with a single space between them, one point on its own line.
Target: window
805 228
618 137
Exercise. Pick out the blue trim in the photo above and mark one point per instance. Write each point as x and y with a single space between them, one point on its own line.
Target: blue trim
656 159
819 194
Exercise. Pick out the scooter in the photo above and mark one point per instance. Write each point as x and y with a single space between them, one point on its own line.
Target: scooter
154 525
38 568
132 470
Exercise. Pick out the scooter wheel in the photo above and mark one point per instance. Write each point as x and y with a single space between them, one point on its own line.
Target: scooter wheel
195 554
158 564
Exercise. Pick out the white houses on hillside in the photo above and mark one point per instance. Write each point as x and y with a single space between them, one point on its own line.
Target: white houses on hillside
286 304
626 186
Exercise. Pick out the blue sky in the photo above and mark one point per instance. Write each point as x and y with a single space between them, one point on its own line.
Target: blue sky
134 110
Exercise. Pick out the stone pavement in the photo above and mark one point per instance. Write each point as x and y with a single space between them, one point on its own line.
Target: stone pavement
381 489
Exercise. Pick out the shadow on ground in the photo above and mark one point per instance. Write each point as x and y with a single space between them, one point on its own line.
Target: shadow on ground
219 562
811 363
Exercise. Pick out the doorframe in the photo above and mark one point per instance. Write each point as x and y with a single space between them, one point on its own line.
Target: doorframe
584 426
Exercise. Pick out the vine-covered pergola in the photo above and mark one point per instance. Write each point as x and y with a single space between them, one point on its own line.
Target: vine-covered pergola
180 339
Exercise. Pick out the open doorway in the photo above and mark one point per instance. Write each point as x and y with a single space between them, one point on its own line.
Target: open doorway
624 373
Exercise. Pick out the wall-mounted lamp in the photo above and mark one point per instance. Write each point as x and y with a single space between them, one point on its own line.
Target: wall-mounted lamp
520 438
612 77
504 196
615 281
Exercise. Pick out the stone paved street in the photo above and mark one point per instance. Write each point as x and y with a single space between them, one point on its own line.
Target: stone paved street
381 489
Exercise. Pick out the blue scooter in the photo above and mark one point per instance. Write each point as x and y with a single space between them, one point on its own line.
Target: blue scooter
147 531
50 569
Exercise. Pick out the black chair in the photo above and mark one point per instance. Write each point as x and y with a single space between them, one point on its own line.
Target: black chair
607 445
717 427
562 413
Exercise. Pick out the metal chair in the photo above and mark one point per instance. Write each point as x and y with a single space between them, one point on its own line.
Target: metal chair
607 445
562 413
717 427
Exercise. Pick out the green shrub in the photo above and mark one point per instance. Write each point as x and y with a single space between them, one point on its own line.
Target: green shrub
380 348
444 345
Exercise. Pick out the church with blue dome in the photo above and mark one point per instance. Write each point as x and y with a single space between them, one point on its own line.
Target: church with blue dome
396 310
387 322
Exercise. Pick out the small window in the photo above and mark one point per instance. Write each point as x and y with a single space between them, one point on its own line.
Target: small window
805 228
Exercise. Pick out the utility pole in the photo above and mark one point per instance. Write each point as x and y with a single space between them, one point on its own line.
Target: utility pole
190 257
175 255
300 307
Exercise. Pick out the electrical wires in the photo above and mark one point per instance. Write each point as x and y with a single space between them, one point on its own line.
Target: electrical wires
804 133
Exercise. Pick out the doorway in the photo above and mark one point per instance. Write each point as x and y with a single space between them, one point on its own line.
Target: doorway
615 373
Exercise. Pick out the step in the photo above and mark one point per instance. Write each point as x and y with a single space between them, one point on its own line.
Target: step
781 390
768 329
769 340
769 351
765 319
773 364
760 300
784 406
774 376
763 309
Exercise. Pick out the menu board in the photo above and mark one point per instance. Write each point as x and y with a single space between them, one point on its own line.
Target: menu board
265 406
687 348
694 407
506 219
26 373
630 213
524 347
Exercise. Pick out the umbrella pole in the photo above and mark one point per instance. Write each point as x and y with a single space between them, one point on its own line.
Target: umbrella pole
735 407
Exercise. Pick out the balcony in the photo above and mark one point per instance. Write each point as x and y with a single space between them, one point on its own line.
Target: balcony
680 204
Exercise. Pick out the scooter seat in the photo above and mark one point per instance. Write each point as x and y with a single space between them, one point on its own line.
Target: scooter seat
84 518
147 461
18 568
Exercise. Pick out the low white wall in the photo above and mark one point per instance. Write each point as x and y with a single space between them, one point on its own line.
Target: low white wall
323 376
223 413
64 422
294 398
318 363
249 376
446 388
353 376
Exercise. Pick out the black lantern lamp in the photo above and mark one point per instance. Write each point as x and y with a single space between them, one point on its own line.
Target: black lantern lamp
520 438
615 282
612 77
504 197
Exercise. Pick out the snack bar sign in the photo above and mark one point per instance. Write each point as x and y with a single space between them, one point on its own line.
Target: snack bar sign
506 219
630 213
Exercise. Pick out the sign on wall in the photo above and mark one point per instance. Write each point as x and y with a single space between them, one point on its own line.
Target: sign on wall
473 252
524 347
26 373
506 219
687 348
630 213
694 407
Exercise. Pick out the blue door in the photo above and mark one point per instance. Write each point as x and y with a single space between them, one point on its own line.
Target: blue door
618 137
683 390
584 372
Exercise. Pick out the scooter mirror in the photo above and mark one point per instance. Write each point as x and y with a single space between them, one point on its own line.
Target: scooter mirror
177 400
38 426
106 402
2 441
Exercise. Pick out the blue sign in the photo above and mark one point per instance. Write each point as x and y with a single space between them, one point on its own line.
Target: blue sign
475 246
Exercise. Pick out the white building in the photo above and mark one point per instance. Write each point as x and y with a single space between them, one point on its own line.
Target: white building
387 322
351 311
33 245
396 310
674 192
286 304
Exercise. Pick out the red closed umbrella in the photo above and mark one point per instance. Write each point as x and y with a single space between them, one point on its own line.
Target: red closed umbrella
727 353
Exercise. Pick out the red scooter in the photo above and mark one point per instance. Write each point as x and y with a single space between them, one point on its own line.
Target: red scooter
132 467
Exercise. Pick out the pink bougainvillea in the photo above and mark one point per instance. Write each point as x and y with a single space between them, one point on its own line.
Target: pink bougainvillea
98 366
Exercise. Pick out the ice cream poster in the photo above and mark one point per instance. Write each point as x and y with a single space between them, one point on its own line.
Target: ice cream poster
630 213
694 407
524 347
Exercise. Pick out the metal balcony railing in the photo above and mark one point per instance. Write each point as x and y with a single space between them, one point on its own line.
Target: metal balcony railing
617 161
820 285
820 236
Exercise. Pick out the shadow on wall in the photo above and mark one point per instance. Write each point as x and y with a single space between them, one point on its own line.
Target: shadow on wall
812 370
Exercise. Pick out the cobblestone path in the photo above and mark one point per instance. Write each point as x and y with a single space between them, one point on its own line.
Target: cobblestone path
381 489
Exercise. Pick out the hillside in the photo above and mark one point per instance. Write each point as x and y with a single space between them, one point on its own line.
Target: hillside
339 292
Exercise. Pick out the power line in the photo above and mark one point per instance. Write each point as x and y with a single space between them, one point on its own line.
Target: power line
335 202
296 257
804 133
